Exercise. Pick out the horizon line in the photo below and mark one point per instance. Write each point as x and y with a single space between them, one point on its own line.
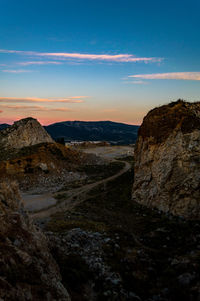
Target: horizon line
71 121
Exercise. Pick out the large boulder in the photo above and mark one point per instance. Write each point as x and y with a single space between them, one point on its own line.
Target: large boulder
167 160
24 132
27 269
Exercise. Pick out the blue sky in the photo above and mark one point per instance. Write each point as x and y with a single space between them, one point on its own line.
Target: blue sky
96 60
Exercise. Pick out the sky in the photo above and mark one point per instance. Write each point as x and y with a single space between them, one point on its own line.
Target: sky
96 60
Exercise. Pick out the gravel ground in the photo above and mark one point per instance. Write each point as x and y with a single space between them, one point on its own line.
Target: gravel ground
110 152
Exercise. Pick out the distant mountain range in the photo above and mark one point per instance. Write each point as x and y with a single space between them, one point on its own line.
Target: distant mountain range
94 131
114 132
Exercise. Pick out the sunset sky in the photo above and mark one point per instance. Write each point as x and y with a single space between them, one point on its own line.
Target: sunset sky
96 60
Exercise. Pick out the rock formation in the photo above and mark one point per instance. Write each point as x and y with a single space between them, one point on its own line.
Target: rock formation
28 271
24 132
167 160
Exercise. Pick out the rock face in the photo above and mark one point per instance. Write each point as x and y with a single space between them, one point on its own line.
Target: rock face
167 160
28 271
24 132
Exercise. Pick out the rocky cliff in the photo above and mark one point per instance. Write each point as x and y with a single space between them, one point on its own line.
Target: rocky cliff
167 160
24 132
28 271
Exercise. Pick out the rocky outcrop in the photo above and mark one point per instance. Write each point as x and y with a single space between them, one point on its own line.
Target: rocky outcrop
27 269
167 160
24 132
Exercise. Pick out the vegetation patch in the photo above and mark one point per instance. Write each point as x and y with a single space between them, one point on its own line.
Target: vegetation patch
66 221
102 170
160 122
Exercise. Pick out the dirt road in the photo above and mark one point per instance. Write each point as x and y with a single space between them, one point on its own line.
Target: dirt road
73 197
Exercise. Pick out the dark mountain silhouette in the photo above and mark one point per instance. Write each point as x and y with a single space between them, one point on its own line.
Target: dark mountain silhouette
94 131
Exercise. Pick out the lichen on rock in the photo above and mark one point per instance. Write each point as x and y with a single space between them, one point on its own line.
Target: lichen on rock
167 160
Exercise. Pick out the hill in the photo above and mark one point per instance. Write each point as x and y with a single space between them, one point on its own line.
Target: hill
115 132
41 165
29 155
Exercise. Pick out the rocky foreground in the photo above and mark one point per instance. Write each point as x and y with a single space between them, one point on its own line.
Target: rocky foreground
106 248
28 271
110 248
167 160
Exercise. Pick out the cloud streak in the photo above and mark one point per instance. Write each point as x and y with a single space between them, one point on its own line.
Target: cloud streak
34 108
73 99
136 82
38 63
16 71
82 56
171 75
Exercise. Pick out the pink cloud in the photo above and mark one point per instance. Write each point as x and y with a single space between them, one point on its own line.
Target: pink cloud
35 108
82 56
73 99
38 63
171 75
136 82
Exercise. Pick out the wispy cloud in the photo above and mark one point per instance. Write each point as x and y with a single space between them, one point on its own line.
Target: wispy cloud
73 99
171 75
34 108
39 63
136 82
16 71
82 56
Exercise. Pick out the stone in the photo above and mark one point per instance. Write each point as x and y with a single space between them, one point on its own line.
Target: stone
43 166
186 279
167 160
25 132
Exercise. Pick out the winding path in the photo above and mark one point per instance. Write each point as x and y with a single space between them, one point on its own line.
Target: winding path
74 197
